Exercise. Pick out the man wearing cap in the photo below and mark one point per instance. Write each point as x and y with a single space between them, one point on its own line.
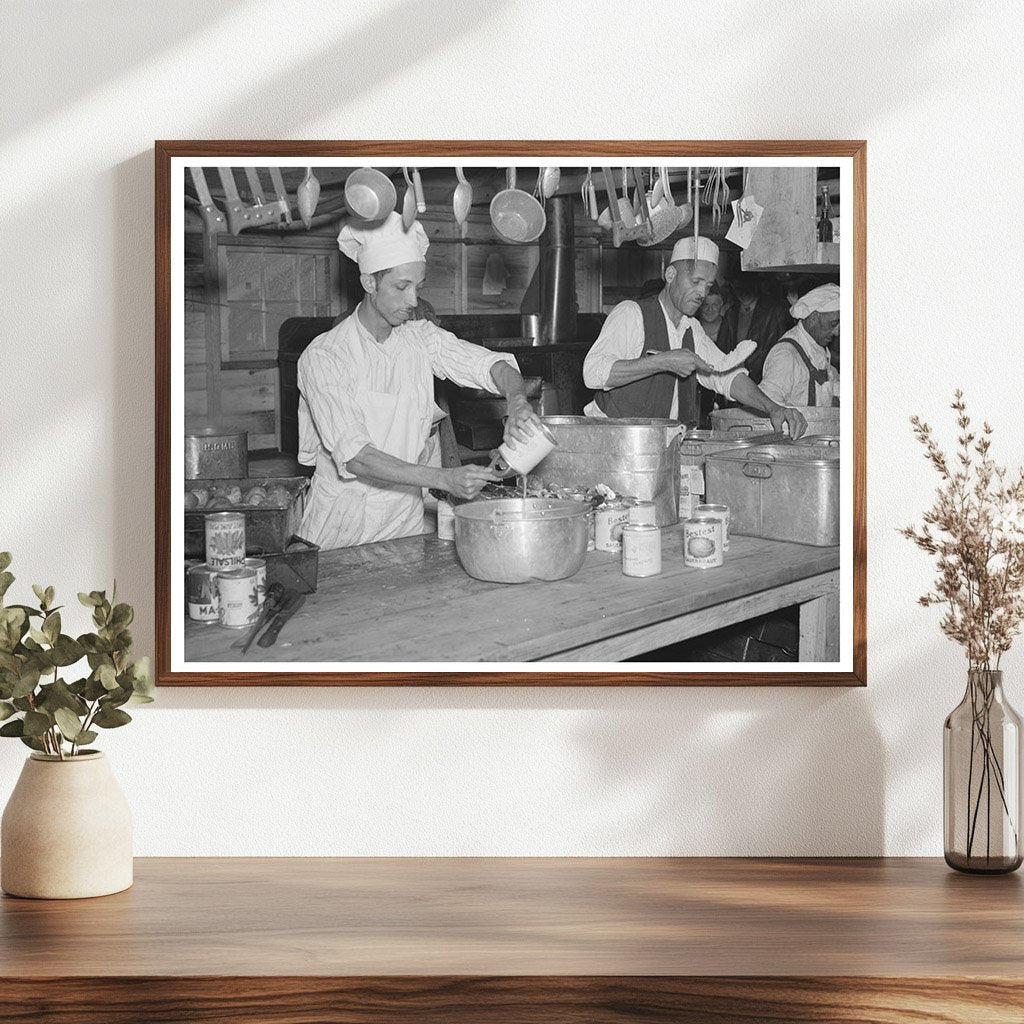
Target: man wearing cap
366 405
798 370
651 354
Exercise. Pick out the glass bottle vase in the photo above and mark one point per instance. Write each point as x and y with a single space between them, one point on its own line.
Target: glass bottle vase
981 747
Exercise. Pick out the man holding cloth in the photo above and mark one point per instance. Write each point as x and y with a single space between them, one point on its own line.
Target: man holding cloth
651 354
797 370
366 406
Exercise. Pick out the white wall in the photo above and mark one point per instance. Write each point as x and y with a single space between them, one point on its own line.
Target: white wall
86 88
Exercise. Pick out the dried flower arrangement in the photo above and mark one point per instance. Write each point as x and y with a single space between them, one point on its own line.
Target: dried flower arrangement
975 529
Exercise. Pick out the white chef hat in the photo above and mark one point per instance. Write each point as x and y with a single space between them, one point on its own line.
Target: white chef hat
381 245
823 299
684 249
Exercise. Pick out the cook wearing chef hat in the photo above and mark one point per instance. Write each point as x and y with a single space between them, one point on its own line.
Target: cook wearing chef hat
798 369
366 406
652 353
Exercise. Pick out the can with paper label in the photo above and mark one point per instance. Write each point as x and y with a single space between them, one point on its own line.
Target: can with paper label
702 542
239 602
719 512
608 524
641 549
225 540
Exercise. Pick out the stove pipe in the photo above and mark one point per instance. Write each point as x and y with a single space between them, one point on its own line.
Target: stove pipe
558 274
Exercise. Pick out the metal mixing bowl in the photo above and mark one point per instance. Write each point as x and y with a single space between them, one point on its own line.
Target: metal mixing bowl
514 541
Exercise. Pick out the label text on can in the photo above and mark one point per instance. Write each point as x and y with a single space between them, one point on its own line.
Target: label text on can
702 542
719 512
225 540
260 565
641 549
201 593
608 523
239 602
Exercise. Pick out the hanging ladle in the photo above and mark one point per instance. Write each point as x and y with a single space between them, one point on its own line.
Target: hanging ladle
408 202
463 198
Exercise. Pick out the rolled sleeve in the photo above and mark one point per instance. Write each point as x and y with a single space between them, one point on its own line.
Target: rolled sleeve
333 418
462 362
621 337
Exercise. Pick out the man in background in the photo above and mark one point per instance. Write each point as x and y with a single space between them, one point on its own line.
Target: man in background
758 314
798 370
651 354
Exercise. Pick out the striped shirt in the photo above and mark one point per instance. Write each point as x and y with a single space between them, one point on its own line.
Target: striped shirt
346 367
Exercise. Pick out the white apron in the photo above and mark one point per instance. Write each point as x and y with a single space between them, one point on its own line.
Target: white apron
341 513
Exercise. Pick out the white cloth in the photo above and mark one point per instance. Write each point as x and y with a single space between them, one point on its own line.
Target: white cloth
684 249
622 337
381 246
823 299
785 376
356 391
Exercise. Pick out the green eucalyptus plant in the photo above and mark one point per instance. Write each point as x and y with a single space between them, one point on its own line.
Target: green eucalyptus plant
46 712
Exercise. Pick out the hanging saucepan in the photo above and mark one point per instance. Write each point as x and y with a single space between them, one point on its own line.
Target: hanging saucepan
516 215
370 194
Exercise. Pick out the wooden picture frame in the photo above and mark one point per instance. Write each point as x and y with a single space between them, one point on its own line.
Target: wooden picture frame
831 593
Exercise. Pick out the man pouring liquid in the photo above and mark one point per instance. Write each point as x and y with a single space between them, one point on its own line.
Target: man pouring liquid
366 406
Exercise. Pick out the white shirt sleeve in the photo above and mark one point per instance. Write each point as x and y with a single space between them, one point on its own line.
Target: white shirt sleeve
785 377
711 353
331 404
462 362
621 337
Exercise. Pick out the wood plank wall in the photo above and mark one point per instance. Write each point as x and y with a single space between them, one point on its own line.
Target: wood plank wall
469 270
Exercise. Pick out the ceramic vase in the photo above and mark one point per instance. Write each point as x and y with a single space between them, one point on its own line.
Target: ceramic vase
66 831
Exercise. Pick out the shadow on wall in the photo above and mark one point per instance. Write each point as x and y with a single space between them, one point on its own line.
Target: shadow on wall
726 771
86 38
694 771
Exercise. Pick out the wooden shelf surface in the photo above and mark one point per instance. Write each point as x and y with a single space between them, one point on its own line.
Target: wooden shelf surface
452 939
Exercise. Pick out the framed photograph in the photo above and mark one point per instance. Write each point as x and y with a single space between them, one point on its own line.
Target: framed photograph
492 413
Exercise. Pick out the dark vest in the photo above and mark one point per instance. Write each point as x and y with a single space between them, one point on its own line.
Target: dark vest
816 376
652 396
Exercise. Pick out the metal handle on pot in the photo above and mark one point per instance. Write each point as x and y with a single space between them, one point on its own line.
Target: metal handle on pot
674 432
741 427
759 465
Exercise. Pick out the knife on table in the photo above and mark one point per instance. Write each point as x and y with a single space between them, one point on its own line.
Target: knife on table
271 603
293 601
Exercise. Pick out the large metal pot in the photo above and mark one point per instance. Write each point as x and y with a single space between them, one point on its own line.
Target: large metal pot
822 419
516 541
635 457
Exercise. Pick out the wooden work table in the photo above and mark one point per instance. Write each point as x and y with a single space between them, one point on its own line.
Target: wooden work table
500 941
410 600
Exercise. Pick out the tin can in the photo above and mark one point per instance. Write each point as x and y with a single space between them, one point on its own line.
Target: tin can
608 524
641 549
260 565
719 512
225 540
445 521
702 542
239 603
201 593
643 513
591 546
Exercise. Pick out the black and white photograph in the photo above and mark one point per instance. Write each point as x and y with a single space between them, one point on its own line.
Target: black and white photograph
571 415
